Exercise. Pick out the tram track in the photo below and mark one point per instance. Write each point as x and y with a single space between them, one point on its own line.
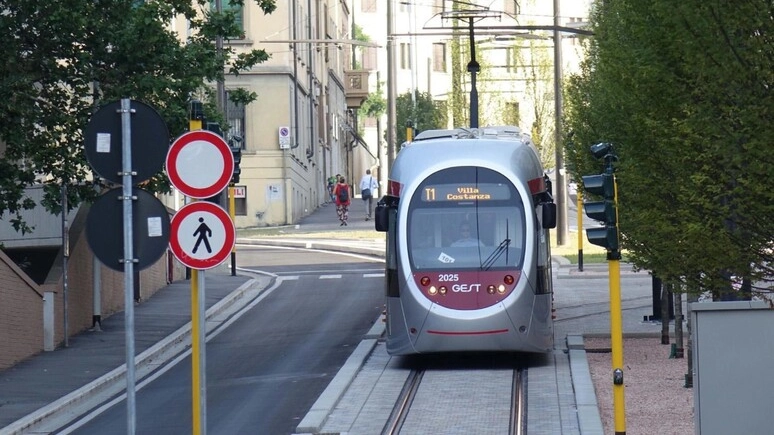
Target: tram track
411 406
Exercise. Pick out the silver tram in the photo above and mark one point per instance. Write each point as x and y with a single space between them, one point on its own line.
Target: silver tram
485 290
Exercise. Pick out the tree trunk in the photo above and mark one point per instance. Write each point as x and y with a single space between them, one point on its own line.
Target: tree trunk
679 350
664 313
692 296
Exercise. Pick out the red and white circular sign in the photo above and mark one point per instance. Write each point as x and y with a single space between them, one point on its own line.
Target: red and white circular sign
202 235
200 164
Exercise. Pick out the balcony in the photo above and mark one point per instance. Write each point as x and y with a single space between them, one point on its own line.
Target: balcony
355 87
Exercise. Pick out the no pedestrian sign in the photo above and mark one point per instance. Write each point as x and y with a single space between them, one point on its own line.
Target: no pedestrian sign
202 235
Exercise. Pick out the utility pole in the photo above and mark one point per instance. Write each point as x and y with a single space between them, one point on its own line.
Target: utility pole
391 121
561 186
220 90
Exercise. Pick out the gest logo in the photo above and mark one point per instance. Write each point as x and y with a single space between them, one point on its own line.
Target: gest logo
466 288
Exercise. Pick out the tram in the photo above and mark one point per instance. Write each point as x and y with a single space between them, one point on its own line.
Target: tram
468 262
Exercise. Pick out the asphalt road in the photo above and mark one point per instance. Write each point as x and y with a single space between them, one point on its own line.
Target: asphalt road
269 366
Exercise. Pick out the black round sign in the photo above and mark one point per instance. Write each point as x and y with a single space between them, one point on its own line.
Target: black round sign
149 142
105 229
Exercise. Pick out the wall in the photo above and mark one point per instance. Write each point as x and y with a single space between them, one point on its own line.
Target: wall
21 314
21 300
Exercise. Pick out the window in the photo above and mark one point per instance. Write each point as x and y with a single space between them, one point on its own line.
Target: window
369 58
510 7
405 55
439 57
511 115
235 116
437 218
368 6
226 6
511 59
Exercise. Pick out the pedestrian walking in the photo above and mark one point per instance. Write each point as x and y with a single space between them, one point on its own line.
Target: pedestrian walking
368 187
343 197
331 183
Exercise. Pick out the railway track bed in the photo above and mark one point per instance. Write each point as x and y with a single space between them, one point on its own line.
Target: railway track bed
450 394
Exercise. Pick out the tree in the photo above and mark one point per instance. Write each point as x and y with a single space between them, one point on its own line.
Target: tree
62 58
683 93
427 114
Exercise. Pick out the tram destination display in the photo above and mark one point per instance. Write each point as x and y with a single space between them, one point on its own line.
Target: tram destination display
466 192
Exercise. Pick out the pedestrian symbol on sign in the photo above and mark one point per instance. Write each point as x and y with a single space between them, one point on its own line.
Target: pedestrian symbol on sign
204 232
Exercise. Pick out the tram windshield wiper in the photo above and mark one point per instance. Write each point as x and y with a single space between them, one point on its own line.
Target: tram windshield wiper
502 247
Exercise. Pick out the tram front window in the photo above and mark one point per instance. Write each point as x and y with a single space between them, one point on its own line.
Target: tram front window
462 237
466 218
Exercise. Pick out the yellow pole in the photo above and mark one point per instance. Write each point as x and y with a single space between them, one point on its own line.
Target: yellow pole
195 353
580 229
195 122
409 133
232 213
616 339
616 330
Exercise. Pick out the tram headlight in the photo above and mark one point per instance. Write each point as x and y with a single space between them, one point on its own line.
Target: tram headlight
432 290
443 289
490 289
508 279
501 288
424 281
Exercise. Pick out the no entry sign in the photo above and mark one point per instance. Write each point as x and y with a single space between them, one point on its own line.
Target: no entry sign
201 235
200 164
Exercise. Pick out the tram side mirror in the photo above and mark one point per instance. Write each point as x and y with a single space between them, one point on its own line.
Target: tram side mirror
549 215
381 217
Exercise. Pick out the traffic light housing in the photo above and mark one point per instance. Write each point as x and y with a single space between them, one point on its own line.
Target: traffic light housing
236 151
605 211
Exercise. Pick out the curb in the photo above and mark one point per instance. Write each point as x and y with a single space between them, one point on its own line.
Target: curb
318 414
589 420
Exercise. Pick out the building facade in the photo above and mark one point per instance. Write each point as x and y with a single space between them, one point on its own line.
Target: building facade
298 132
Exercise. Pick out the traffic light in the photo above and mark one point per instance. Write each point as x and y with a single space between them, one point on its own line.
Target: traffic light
236 151
605 211
215 128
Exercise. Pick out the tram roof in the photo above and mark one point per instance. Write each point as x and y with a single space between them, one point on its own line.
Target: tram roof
490 132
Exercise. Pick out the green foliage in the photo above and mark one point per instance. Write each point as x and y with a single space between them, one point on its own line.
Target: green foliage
425 115
56 52
683 92
374 106
359 35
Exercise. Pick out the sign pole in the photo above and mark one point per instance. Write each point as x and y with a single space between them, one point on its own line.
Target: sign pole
126 141
198 376
232 213
202 338
200 164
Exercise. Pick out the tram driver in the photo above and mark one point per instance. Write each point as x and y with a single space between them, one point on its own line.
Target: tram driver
466 239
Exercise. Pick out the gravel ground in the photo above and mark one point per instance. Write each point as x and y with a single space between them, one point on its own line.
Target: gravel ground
656 400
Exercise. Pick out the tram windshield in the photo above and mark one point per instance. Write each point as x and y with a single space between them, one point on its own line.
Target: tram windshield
466 218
